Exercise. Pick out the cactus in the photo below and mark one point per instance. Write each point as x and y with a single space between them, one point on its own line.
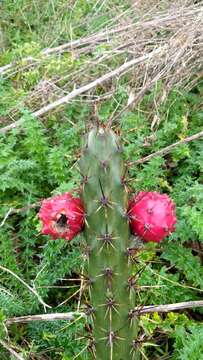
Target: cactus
152 216
109 271
113 324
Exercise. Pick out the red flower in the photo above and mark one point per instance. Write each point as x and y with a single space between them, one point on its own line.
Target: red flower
62 216
152 216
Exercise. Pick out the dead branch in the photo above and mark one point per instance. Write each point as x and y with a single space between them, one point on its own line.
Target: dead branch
25 208
10 350
104 36
13 211
167 149
139 310
70 316
26 285
177 66
65 99
136 99
168 307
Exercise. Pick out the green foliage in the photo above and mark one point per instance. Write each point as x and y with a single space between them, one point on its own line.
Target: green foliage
52 337
185 262
189 343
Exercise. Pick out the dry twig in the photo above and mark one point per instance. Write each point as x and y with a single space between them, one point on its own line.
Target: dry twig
64 100
160 20
71 315
167 149
179 64
13 211
10 350
168 307
26 285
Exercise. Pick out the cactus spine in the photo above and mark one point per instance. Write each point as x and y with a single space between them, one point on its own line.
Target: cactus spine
109 271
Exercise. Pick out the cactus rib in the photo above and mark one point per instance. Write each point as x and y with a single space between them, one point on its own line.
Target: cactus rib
111 287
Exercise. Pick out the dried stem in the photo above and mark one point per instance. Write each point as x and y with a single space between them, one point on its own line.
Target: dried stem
167 149
179 64
65 99
71 315
44 317
25 208
26 285
13 211
106 35
135 99
6 217
168 307
10 350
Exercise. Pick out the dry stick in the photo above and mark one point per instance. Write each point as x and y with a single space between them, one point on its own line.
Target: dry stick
13 211
70 316
5 68
136 99
26 285
167 149
5 217
70 46
86 41
121 69
25 208
168 307
104 35
45 317
10 350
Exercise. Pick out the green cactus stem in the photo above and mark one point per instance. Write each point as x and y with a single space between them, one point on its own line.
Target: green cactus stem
109 270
